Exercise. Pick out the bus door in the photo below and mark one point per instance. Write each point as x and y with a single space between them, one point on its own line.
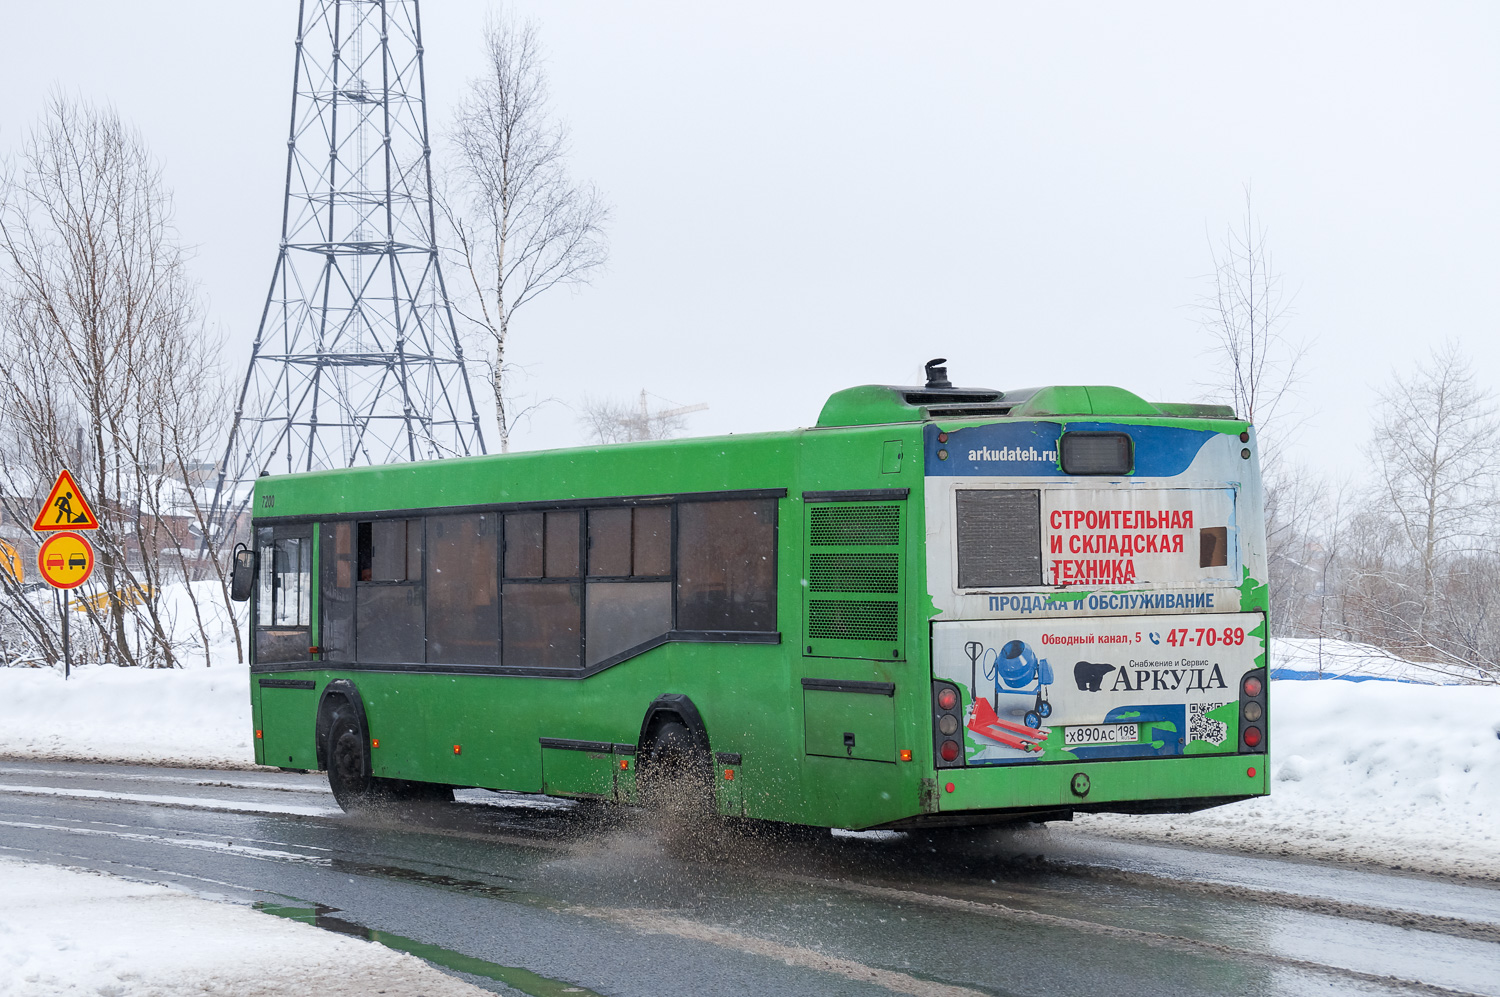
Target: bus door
282 615
283 597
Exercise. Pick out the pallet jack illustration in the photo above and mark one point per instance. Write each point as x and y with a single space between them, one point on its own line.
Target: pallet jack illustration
1013 671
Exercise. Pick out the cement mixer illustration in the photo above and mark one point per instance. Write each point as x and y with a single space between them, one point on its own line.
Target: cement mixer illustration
1015 671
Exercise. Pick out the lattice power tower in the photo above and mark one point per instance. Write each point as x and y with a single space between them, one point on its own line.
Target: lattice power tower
357 359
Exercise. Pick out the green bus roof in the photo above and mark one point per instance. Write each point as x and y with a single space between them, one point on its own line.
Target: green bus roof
878 404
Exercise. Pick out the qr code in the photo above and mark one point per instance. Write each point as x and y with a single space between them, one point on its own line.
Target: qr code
1201 728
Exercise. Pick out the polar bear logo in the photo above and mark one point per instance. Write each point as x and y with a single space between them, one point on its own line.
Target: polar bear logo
1088 675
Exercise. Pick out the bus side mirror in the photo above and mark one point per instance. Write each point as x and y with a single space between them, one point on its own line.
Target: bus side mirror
242 574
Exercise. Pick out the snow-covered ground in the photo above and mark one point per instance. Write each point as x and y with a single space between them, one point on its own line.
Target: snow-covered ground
196 715
1310 658
193 716
1395 773
68 932
1385 773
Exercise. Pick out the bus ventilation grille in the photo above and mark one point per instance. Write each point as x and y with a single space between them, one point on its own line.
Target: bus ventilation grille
854 573
843 526
851 620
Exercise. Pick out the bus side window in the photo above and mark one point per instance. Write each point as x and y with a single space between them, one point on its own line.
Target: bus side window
726 565
651 551
390 619
285 582
541 604
523 545
463 615
284 603
336 596
629 595
609 542
390 550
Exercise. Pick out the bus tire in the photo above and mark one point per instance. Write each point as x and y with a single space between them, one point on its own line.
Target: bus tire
676 775
348 754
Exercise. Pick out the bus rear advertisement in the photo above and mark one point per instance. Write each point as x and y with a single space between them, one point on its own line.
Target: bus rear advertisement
937 606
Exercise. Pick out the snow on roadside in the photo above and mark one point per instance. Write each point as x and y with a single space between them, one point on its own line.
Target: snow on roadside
64 931
197 717
1388 773
1312 658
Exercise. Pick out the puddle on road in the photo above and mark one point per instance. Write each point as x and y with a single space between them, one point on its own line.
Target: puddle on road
523 980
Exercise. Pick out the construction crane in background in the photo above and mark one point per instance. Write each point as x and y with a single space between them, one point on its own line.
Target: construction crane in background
611 421
645 419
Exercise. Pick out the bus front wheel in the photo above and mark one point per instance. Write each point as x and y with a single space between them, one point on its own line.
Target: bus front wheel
348 754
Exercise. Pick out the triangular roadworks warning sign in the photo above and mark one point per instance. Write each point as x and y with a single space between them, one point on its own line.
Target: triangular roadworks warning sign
65 508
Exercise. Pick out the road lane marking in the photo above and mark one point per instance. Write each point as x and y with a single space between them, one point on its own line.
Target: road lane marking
94 863
191 802
319 787
200 844
654 923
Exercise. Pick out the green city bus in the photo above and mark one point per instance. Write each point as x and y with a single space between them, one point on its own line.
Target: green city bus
938 606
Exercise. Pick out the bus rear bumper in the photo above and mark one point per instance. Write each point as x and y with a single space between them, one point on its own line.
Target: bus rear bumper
1155 785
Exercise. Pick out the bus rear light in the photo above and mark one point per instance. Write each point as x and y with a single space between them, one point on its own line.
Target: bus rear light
458 749
1253 711
906 754
375 742
948 788
729 775
259 734
624 764
947 720
1250 771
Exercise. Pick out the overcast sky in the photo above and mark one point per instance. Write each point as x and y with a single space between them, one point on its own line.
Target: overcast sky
810 196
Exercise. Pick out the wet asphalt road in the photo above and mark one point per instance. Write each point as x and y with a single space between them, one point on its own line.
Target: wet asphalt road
595 900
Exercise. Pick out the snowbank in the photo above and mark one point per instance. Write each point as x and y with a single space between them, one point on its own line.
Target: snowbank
1312 659
197 717
69 932
1395 774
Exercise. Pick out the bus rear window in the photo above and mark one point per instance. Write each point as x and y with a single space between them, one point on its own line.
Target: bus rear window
999 537
1097 453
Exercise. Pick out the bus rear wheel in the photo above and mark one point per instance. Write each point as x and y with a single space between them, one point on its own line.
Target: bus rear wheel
676 776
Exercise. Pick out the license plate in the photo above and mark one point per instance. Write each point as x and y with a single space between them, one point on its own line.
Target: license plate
1102 734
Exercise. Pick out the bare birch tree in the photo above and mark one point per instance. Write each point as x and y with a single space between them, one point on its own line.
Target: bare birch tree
108 370
520 224
1245 313
1436 449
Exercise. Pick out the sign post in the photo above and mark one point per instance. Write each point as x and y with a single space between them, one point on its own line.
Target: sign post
66 558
